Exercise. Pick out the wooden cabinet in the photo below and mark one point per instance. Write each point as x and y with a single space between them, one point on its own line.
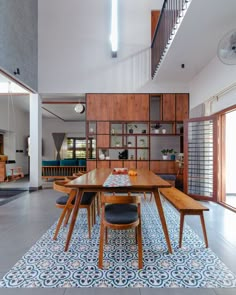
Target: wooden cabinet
111 116
163 167
168 107
2 171
117 107
182 106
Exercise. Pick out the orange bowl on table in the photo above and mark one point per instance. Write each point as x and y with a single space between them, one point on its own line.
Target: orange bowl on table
132 172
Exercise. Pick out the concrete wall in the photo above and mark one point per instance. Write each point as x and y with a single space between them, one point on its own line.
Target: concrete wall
18 39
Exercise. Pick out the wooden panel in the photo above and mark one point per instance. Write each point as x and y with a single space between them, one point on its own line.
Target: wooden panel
102 141
118 111
163 167
91 165
182 106
168 107
142 164
98 107
103 127
154 20
103 164
2 171
118 107
116 164
130 164
137 108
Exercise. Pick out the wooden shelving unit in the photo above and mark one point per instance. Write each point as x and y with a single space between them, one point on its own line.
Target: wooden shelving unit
111 116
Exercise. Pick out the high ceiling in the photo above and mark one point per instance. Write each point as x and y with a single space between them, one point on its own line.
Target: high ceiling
194 45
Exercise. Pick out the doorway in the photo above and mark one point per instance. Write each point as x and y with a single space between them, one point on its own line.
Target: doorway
229 196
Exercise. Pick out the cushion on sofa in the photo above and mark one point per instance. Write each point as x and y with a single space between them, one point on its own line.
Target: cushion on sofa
82 162
68 163
50 163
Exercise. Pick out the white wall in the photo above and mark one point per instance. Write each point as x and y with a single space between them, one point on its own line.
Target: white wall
215 77
50 126
74 48
15 122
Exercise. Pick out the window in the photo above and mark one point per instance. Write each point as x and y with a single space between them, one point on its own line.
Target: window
76 148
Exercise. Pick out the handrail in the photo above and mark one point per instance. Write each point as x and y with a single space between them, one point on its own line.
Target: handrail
170 16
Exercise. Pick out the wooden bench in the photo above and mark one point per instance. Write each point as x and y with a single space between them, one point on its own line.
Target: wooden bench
186 206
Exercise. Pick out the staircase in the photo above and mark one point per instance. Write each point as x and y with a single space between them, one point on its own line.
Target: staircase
171 15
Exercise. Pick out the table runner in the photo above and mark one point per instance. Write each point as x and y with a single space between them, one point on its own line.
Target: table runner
117 180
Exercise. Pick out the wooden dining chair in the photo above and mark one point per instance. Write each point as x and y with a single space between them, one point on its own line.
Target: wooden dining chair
76 175
120 212
87 202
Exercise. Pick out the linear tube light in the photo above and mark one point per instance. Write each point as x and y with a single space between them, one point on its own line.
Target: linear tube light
114 28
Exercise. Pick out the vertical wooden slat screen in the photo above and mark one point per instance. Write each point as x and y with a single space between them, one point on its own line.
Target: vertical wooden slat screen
201 160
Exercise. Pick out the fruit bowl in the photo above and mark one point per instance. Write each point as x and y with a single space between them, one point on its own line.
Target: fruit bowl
121 171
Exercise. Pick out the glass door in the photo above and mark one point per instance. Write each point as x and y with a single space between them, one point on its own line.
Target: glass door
229 155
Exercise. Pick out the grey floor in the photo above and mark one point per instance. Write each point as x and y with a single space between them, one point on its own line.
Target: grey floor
24 220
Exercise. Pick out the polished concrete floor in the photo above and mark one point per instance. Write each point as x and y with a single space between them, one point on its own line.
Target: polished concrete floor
25 219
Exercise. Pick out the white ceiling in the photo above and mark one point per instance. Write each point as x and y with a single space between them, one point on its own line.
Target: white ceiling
196 42
194 45
64 112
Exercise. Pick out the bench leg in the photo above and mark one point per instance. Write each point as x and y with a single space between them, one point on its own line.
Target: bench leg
204 229
181 227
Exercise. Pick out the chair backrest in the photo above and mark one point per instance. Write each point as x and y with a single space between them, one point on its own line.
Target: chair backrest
120 199
60 187
78 174
69 178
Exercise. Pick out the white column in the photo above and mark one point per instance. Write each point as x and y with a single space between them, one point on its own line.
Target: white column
35 142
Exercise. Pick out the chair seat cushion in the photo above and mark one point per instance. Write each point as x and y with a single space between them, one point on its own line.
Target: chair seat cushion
63 200
87 198
121 213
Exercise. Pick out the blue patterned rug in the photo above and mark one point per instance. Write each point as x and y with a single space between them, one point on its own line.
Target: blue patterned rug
193 266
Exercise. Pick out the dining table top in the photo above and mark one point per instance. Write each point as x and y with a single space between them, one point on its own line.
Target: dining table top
145 180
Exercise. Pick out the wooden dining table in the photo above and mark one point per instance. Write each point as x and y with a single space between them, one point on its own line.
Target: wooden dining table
93 181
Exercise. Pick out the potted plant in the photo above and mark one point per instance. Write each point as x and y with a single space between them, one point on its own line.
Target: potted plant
165 153
172 153
116 140
142 142
156 127
131 127
129 144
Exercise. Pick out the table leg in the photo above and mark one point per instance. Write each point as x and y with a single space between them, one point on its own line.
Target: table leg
74 216
162 218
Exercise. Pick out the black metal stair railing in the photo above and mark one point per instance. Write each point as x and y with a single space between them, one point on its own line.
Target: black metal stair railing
170 16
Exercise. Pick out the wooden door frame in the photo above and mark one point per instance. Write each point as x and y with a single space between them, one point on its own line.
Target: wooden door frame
221 196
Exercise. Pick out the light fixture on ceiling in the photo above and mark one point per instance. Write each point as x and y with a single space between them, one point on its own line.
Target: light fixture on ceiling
114 28
79 108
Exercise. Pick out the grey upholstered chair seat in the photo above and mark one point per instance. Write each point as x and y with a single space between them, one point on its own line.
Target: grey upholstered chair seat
121 213
86 199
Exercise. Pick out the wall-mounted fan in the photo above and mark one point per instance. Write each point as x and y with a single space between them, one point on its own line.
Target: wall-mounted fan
227 48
